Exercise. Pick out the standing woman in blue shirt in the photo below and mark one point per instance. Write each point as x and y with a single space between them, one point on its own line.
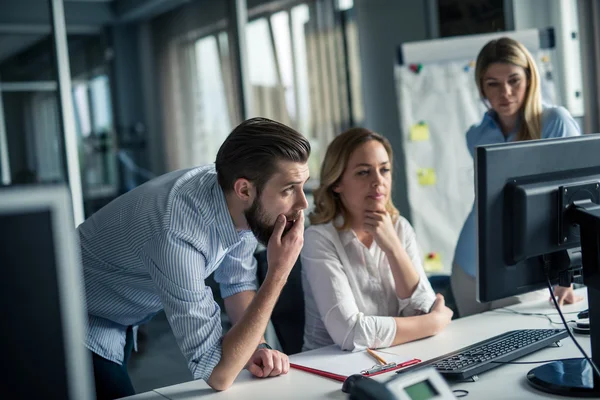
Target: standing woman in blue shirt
509 84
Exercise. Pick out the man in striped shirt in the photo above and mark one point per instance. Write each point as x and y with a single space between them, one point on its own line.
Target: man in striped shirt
153 247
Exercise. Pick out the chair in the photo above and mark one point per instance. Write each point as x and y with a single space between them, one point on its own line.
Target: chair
288 314
441 284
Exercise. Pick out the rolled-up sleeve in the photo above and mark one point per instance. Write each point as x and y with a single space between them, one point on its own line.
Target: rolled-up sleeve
237 272
176 264
423 296
348 327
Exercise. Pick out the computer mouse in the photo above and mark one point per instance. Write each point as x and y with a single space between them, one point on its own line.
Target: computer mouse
351 381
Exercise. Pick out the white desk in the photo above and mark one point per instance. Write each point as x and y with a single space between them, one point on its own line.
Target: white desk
506 381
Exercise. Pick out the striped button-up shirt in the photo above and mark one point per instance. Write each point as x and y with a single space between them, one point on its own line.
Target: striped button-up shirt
152 249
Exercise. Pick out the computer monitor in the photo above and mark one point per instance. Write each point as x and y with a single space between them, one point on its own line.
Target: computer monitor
41 297
538 218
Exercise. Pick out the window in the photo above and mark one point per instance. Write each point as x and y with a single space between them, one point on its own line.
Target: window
214 123
95 130
299 59
82 109
44 132
345 4
101 104
280 23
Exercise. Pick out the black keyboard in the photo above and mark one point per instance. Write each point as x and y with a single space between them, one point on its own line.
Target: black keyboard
485 355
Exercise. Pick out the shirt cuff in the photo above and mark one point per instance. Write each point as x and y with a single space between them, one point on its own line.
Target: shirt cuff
231 289
419 302
370 332
203 367
388 327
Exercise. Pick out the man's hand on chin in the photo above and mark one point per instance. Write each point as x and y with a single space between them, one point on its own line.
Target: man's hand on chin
265 363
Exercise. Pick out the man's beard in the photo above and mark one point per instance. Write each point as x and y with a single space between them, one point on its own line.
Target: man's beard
258 221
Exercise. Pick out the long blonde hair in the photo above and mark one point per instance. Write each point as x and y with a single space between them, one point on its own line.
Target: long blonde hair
509 51
328 204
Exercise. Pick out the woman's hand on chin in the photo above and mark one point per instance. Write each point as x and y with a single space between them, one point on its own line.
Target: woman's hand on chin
379 224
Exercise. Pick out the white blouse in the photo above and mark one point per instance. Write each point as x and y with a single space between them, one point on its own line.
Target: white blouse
349 290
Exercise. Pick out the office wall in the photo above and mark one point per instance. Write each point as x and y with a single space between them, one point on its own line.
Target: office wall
135 96
382 26
150 99
14 106
131 121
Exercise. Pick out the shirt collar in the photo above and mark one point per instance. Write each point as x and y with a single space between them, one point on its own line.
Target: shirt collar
223 221
346 235
491 117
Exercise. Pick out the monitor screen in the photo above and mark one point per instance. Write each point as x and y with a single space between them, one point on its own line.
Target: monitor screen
31 305
41 296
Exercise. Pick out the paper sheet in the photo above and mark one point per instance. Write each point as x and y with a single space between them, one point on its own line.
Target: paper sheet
335 360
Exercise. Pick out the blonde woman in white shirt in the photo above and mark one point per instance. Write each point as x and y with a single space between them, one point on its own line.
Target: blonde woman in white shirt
364 285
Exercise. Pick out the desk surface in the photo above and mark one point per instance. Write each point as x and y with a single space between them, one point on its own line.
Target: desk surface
507 381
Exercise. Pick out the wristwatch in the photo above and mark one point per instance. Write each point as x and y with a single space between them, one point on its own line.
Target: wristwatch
264 345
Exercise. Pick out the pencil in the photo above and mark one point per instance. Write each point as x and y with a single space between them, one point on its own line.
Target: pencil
377 357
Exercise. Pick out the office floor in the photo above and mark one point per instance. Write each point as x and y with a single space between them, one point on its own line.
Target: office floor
159 361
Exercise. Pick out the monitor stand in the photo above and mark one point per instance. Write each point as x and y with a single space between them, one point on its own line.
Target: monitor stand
571 377
575 377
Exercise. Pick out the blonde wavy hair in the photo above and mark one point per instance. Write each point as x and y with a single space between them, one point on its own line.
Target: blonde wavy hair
509 51
328 204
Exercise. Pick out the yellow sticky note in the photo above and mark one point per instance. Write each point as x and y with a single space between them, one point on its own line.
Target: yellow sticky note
432 263
426 176
419 132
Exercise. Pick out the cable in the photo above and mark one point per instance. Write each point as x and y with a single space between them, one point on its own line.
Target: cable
567 326
547 316
533 314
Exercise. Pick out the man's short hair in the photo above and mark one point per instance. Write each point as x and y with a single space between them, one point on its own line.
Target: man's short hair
253 149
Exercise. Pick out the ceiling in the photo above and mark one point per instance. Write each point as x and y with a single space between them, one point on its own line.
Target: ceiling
11 44
25 22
